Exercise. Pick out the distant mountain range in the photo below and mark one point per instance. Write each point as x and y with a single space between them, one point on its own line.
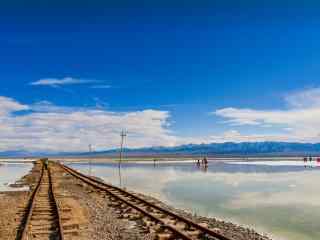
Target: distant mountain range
212 149
227 148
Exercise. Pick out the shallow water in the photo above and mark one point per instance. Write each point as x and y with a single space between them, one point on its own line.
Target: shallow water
10 173
279 198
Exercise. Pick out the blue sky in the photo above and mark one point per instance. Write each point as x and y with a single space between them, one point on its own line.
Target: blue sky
170 73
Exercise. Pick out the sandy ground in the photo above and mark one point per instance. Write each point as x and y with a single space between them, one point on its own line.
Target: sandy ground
10 205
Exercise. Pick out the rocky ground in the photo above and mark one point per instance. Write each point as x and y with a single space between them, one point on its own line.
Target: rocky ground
94 216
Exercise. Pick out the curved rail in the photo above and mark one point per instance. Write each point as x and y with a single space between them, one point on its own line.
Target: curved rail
113 190
22 233
31 206
55 203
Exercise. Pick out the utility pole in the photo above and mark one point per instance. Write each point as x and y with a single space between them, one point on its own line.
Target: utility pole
90 159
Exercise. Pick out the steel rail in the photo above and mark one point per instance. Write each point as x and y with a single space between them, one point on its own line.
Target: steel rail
23 231
106 187
154 218
55 203
27 217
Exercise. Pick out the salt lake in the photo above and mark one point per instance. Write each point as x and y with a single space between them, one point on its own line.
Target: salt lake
10 173
280 198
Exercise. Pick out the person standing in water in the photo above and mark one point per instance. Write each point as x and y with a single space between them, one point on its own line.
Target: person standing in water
205 161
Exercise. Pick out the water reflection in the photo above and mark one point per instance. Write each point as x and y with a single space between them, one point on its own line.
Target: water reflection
120 176
279 198
10 173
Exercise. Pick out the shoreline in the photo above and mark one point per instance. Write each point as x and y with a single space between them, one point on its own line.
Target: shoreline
234 230
100 216
12 205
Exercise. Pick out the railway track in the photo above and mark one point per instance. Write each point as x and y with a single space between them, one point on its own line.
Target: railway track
166 224
42 219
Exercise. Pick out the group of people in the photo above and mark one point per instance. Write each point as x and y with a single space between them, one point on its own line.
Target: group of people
305 159
204 162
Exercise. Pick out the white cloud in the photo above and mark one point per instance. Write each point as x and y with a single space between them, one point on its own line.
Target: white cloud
47 127
300 120
8 105
308 98
54 82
